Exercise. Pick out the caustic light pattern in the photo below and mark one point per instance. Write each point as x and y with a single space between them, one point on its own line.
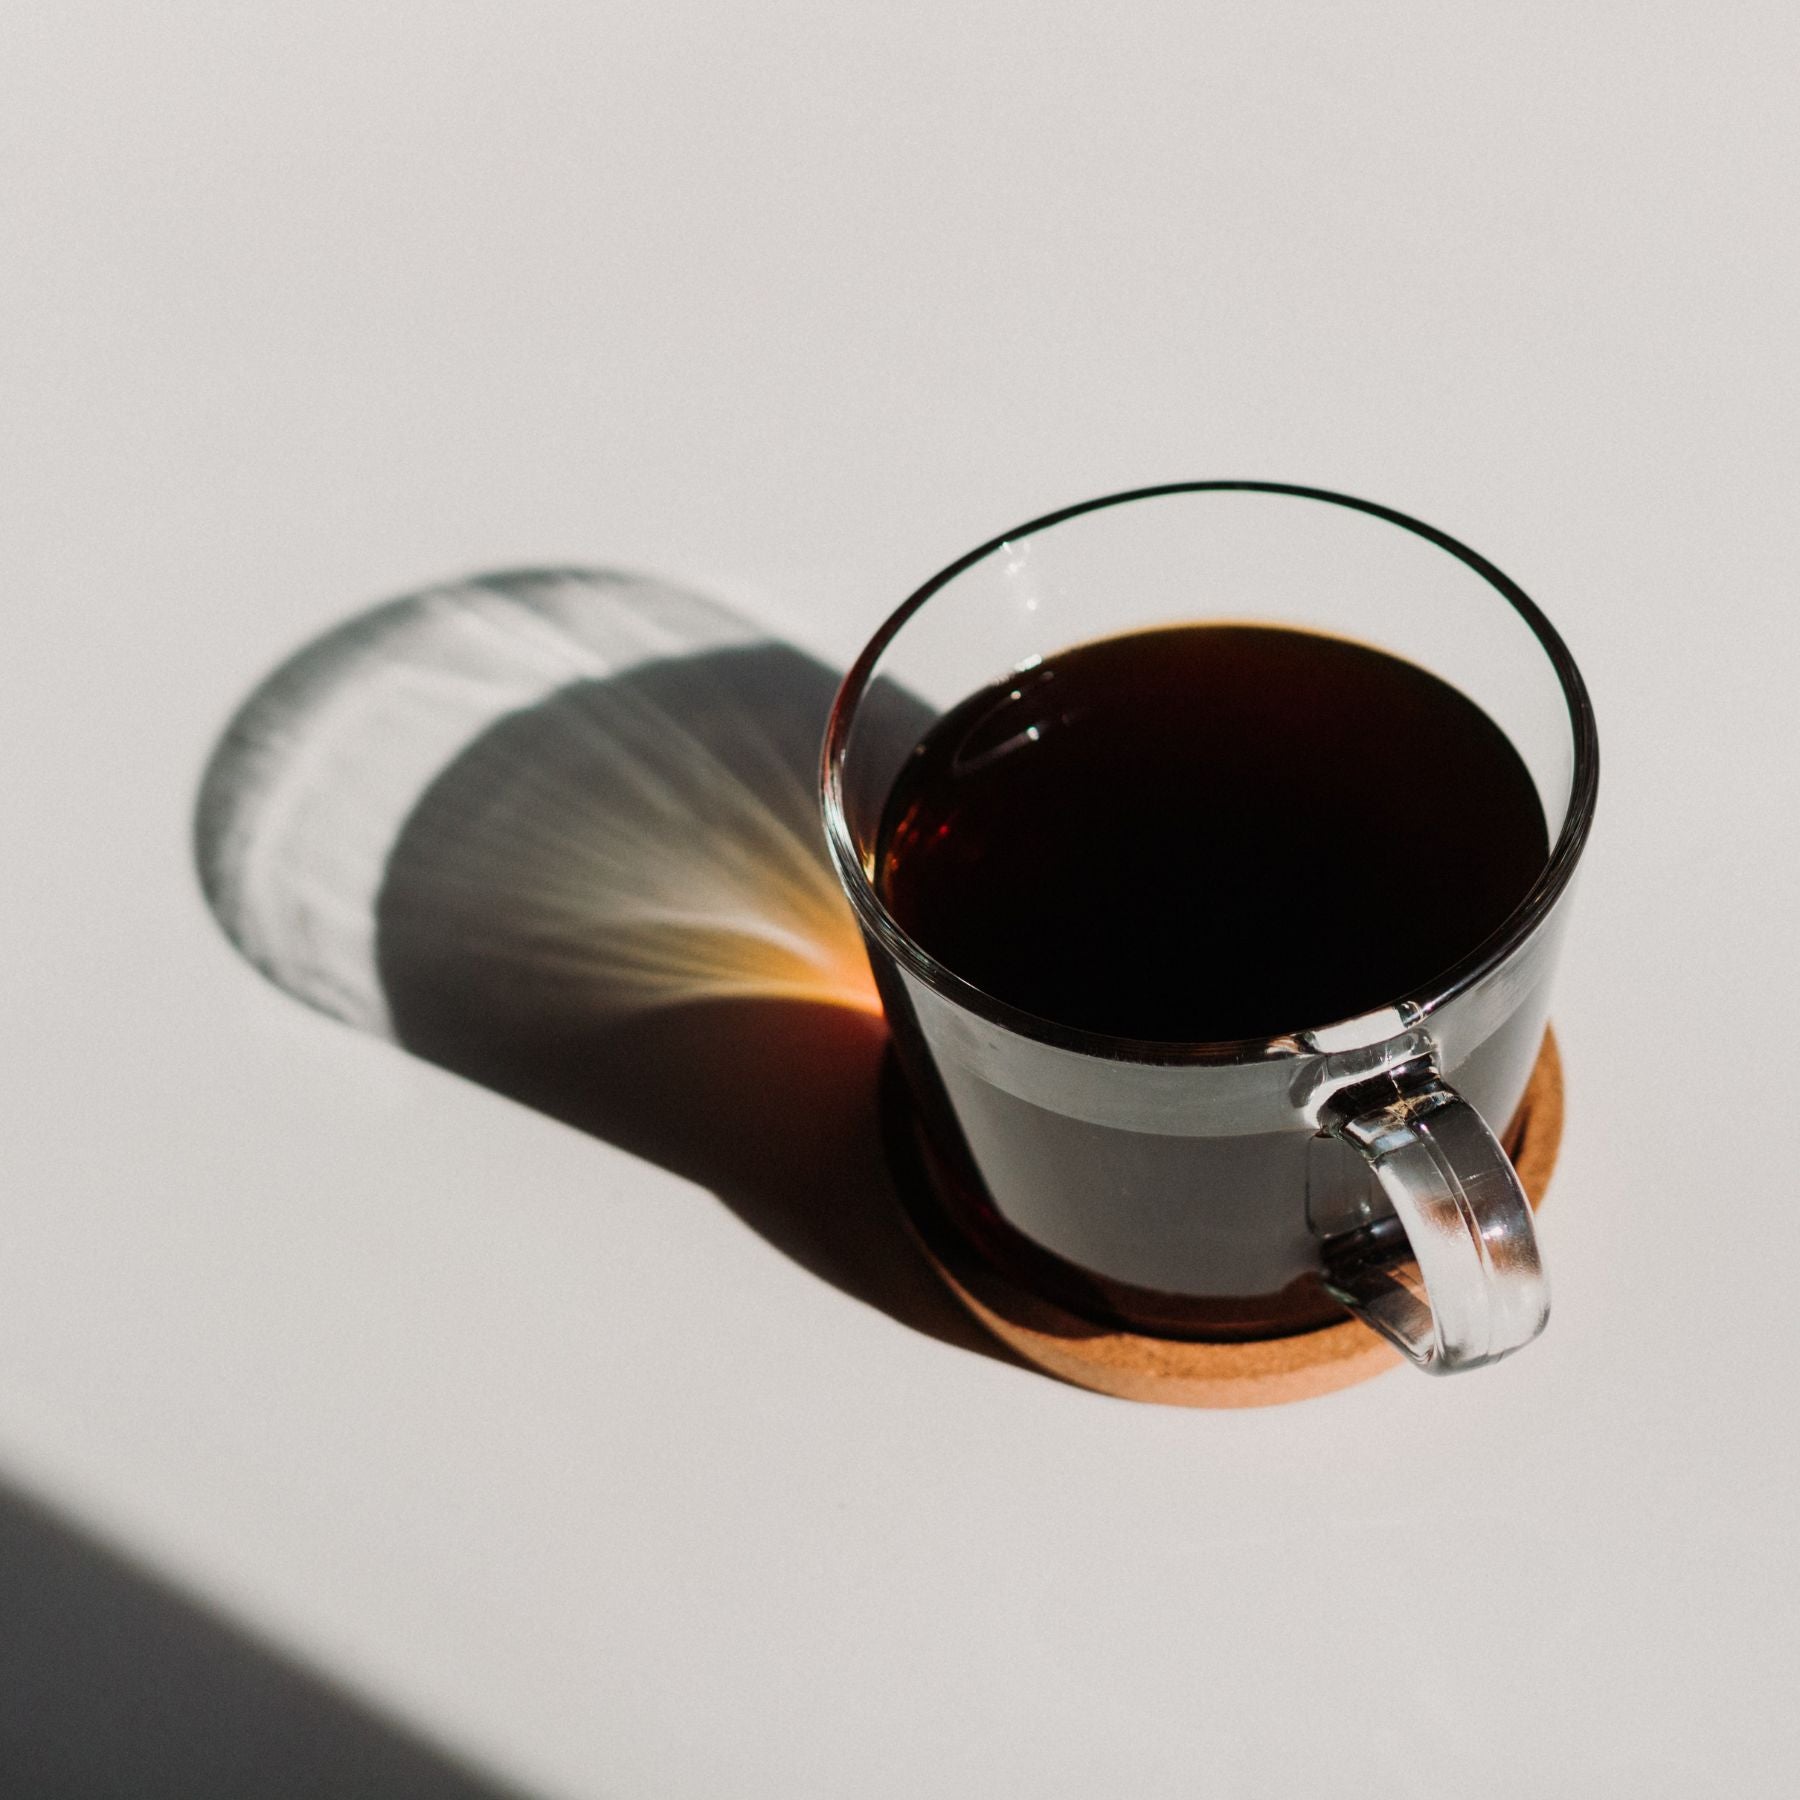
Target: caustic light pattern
595 788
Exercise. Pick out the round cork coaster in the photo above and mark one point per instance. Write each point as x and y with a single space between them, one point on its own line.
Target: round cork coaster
1180 1372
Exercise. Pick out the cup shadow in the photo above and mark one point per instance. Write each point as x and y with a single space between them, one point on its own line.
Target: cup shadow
557 831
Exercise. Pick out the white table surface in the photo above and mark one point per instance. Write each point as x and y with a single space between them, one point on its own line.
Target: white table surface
533 1447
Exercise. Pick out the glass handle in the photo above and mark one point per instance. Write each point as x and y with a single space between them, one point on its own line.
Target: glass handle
1452 1279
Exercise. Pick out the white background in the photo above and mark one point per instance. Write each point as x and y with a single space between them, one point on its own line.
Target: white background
536 1447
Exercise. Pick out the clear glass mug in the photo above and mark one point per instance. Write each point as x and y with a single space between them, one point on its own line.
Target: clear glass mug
1245 1189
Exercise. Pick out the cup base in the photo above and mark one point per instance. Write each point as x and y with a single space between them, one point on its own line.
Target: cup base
1175 1371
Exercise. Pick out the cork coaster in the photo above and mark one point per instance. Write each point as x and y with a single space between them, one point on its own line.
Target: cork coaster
1179 1372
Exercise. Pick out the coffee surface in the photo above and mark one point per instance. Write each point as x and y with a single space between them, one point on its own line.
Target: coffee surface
1208 832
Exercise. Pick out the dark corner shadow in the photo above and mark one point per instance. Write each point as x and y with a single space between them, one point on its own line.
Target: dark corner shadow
112 1684
611 903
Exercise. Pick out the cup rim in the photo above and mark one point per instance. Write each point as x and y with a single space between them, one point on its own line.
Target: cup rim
1406 1009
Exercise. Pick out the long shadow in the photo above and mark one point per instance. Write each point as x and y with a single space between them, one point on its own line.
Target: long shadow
547 927
111 1684
558 832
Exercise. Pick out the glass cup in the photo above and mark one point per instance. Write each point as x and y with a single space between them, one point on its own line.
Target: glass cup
1259 1188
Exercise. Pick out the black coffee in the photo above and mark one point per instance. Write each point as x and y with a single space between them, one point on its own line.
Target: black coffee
1210 832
